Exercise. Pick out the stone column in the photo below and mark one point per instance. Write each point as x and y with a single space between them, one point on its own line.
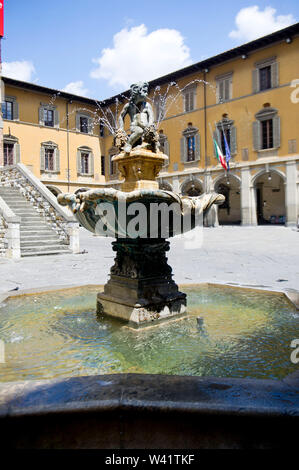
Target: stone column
247 198
176 184
291 194
13 240
73 232
211 219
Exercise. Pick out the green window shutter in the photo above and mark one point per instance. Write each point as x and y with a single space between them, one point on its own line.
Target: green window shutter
256 131
183 149
233 140
276 132
79 170
274 75
15 111
91 164
42 158
56 118
57 160
41 115
17 153
255 78
197 147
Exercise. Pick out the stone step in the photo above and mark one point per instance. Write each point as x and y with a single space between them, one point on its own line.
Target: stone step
49 247
36 230
44 253
38 238
41 243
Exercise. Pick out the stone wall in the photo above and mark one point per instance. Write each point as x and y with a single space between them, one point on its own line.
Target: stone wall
3 235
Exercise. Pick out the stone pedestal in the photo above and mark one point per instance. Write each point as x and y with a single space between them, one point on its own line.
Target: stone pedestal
140 168
141 288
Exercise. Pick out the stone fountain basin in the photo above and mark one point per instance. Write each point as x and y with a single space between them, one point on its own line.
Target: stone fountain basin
123 206
150 411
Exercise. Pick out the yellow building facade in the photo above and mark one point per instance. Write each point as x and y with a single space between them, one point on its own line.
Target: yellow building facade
249 95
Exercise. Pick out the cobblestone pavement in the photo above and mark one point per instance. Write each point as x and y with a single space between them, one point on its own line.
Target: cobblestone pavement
264 256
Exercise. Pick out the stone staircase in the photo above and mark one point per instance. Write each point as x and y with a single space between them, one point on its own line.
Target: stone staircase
36 236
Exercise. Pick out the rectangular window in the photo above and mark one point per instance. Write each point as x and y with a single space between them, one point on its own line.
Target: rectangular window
189 101
8 151
7 110
85 163
267 134
265 77
48 117
191 149
49 159
103 165
84 125
224 89
227 135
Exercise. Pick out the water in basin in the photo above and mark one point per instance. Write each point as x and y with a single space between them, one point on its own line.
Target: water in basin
242 333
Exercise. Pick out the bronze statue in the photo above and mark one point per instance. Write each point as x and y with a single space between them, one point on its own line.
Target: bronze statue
143 129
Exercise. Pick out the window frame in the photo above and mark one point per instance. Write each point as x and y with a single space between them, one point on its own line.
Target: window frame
89 118
84 150
9 139
274 74
267 113
186 134
46 107
46 146
15 108
189 98
226 81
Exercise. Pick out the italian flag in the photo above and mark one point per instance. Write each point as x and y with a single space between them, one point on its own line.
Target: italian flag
219 155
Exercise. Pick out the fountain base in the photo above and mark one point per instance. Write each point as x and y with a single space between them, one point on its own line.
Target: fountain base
141 288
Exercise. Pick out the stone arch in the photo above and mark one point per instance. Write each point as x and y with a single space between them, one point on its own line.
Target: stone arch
192 187
54 190
269 190
165 185
265 171
229 213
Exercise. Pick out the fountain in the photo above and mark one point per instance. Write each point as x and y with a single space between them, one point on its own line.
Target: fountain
141 288
219 377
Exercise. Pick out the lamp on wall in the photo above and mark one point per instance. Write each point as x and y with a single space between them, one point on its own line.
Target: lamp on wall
288 40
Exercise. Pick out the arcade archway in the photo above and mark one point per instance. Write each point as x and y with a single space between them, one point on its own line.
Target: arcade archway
229 213
270 198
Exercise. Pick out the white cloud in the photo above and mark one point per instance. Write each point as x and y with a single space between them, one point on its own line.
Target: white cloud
77 88
139 55
20 70
253 23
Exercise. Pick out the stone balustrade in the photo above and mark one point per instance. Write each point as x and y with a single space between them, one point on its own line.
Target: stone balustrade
58 218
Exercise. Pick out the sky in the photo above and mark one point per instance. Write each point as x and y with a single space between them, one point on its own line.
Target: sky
97 48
